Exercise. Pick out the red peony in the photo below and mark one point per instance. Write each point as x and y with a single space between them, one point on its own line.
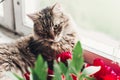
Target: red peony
118 77
110 77
106 72
64 56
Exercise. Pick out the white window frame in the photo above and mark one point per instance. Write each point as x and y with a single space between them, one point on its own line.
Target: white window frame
8 19
21 27
91 45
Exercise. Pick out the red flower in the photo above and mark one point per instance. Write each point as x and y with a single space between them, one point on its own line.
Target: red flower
99 74
118 77
27 76
64 56
50 74
74 77
110 77
105 71
98 62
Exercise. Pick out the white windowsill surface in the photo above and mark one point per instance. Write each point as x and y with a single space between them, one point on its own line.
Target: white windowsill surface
106 47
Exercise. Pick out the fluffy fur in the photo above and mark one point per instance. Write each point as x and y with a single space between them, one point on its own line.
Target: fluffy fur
53 33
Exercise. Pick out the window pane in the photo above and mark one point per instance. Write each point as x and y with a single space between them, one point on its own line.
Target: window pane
1 9
97 17
35 5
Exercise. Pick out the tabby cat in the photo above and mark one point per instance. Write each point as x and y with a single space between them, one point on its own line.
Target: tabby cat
53 33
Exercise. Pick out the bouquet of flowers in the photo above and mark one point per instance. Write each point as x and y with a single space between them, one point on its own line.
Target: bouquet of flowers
74 71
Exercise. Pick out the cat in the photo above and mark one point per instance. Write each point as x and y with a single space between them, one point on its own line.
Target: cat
53 32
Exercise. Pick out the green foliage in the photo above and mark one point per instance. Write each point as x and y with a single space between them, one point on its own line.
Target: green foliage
74 66
57 71
77 61
39 72
40 69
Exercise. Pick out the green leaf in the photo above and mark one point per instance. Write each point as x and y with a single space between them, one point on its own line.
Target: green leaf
73 70
40 70
81 77
91 70
77 60
57 71
63 68
68 77
78 48
35 76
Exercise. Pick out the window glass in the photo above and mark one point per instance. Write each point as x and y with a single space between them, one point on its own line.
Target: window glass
99 19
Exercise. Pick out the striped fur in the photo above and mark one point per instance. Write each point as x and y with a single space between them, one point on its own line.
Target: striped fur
53 33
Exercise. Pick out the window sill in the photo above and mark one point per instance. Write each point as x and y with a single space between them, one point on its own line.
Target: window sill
100 44
90 56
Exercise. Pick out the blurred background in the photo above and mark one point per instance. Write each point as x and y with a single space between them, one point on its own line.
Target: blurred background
98 21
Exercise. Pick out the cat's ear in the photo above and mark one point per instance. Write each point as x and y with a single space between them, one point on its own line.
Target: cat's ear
57 8
34 16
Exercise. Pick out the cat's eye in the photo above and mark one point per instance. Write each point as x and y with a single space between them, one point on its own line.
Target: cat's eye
55 26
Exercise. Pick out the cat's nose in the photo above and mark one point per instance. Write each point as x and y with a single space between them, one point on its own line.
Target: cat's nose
52 35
